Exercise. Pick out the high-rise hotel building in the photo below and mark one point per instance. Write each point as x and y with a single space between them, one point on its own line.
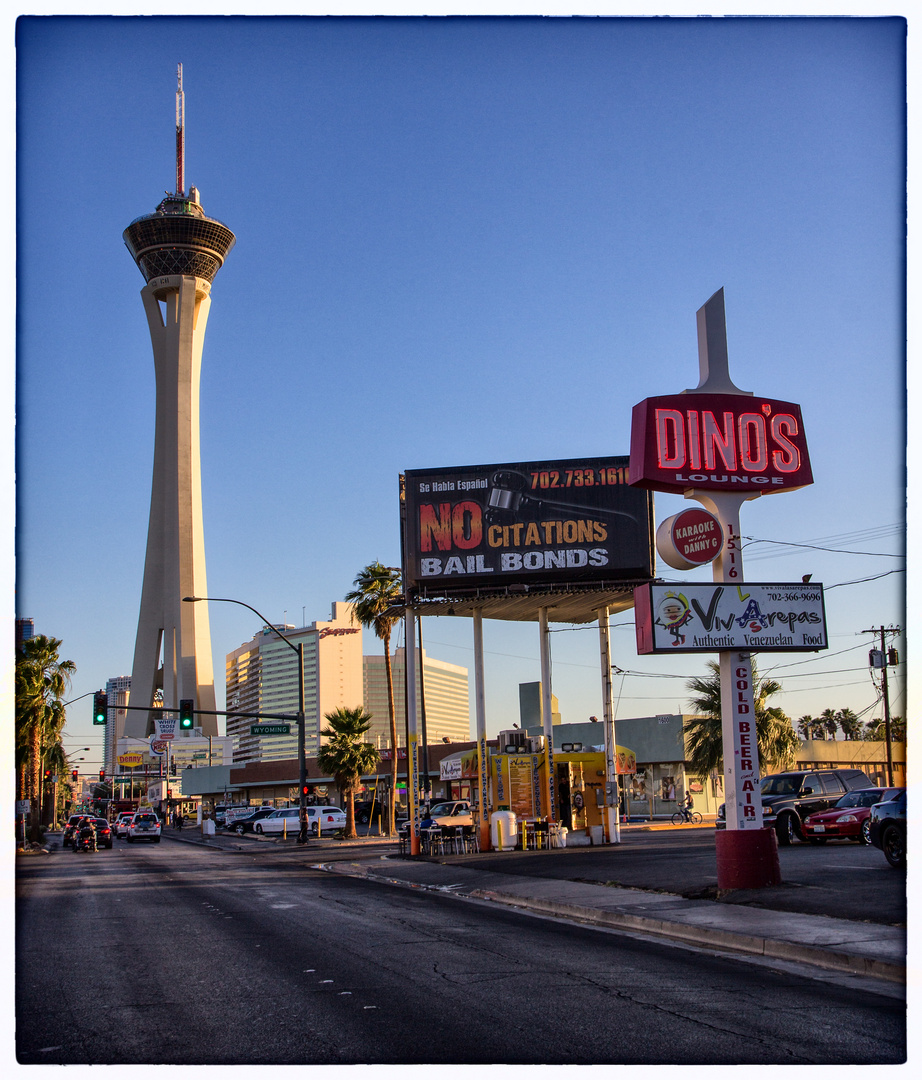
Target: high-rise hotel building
444 687
262 677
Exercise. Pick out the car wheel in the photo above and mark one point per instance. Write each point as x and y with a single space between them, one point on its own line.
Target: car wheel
894 846
129 838
315 829
257 827
156 839
363 819
865 835
239 830
786 829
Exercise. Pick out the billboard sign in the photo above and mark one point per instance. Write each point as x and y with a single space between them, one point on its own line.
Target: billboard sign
718 442
165 725
697 617
541 523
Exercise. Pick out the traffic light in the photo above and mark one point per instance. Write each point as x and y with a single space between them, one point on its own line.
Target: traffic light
186 707
100 707
75 773
102 776
172 768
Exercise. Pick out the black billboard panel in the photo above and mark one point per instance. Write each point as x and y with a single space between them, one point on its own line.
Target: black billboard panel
543 523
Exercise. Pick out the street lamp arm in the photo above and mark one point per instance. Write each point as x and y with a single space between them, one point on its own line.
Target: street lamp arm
299 652
228 600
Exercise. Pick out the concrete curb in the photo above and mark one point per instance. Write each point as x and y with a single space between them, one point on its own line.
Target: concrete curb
796 952
826 958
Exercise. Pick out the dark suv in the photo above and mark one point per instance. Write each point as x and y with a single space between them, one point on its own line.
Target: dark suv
789 797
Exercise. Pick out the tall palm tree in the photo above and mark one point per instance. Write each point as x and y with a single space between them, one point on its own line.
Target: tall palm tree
849 723
775 735
808 727
376 594
344 757
41 680
829 719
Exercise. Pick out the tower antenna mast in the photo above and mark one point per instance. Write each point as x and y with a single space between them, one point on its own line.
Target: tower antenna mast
180 134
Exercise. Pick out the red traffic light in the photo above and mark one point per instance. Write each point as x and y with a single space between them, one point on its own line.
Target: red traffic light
102 775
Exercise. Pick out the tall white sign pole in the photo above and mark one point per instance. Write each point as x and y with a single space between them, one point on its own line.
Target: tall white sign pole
740 748
744 861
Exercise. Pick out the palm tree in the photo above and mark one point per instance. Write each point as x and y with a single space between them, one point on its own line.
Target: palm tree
41 679
829 718
876 730
375 597
849 723
345 758
775 735
807 728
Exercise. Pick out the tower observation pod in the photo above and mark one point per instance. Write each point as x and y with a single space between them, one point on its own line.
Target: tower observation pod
178 250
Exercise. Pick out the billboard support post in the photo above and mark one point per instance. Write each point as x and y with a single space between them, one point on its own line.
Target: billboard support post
550 781
480 709
412 740
612 812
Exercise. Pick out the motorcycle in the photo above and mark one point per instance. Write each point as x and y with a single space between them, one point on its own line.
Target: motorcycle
85 840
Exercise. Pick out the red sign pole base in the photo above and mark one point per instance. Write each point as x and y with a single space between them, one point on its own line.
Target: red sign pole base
747 859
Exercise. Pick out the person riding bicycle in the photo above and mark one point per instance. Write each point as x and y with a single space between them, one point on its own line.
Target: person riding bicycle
687 806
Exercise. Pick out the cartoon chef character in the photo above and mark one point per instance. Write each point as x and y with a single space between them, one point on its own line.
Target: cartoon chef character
673 614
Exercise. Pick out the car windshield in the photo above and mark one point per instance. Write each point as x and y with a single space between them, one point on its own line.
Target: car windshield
860 798
145 819
442 808
781 785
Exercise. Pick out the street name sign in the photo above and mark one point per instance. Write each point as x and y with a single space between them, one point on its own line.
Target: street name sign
270 729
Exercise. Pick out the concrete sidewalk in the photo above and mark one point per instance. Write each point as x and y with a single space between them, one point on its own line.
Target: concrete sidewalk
833 944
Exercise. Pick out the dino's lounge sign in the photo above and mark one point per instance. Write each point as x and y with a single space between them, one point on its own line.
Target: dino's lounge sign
718 442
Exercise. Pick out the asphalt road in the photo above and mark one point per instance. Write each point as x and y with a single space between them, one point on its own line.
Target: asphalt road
842 879
175 954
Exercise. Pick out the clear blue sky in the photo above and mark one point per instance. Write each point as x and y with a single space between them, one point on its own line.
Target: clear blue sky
459 241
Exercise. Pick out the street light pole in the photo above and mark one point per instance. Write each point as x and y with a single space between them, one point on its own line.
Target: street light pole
299 649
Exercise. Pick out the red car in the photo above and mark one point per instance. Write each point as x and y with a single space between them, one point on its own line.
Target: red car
848 819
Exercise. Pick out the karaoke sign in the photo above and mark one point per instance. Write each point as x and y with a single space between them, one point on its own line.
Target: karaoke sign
535 522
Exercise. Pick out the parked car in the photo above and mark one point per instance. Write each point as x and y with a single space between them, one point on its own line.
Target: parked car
241 825
325 819
120 828
849 819
887 828
453 812
364 808
279 821
144 825
72 822
789 797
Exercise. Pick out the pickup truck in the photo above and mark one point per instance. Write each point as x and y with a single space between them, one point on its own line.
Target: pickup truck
455 812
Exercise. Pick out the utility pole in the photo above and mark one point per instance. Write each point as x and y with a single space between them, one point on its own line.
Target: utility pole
885 690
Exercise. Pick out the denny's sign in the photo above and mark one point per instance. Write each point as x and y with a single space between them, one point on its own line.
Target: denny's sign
718 442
